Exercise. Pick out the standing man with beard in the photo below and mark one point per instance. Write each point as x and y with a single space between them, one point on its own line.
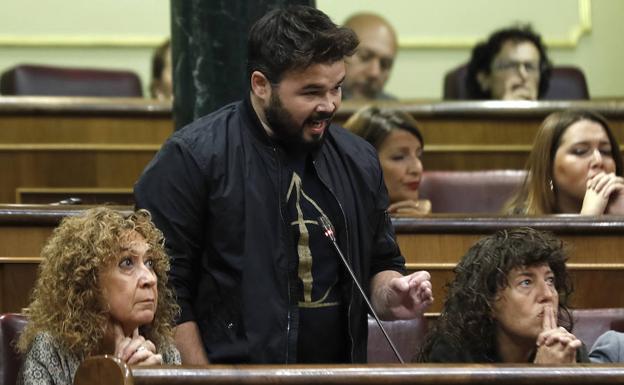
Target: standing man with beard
238 195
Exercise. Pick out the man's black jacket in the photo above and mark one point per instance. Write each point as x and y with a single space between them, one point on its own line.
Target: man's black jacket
214 191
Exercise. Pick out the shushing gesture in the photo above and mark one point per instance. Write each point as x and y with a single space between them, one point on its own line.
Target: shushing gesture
555 345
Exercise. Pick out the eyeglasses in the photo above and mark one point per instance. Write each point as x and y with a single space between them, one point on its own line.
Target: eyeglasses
531 68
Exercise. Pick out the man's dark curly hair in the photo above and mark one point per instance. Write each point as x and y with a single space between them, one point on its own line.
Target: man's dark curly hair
483 55
296 37
466 320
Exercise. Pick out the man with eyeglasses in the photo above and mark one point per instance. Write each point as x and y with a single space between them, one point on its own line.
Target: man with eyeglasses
511 65
369 68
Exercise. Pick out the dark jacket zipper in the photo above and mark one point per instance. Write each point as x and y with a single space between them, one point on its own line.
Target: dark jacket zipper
347 254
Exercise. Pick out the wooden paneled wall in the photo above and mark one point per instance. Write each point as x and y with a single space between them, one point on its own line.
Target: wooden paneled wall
484 135
594 244
51 144
433 243
77 143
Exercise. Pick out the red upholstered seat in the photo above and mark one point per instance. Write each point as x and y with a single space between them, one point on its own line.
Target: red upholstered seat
407 336
589 324
59 81
11 325
469 191
566 83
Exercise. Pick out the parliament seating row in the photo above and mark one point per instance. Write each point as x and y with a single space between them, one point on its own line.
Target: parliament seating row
435 243
481 192
406 335
62 146
93 145
566 82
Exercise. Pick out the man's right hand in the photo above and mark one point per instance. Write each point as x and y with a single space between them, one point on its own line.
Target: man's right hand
188 341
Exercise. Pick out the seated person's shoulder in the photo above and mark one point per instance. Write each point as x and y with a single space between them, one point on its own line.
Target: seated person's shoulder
215 122
46 362
170 354
208 133
609 347
43 344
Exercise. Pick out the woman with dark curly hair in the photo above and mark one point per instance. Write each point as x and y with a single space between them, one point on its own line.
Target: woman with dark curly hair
507 303
102 289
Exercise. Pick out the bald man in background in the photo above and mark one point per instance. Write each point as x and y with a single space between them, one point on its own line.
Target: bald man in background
369 68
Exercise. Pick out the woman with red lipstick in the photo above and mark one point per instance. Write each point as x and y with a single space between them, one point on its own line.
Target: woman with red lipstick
507 304
575 167
102 289
399 144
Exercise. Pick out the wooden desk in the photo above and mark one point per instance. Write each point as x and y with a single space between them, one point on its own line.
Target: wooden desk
434 243
77 143
100 145
484 135
596 263
109 371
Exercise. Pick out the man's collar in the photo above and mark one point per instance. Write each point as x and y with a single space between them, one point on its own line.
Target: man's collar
257 126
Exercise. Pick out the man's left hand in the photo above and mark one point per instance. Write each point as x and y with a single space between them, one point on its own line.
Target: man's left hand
401 297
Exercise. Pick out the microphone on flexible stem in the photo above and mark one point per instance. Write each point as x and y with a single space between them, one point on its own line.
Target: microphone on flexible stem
328 230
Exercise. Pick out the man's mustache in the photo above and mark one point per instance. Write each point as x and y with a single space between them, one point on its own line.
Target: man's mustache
322 116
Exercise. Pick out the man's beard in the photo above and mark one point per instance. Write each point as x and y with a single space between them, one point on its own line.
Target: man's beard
287 131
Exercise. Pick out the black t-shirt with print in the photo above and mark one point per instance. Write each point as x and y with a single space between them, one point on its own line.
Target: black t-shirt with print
322 331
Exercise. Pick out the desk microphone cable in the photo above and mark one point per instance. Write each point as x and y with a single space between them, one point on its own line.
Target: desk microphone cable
328 230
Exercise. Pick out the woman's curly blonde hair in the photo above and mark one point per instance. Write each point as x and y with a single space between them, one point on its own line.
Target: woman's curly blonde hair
67 300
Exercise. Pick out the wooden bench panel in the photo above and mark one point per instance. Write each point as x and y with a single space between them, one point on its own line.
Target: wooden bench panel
435 243
106 142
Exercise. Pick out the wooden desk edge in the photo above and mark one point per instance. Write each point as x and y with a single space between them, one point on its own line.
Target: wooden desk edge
487 223
21 105
104 369
46 215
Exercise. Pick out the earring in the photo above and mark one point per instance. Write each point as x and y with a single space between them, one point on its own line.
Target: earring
550 183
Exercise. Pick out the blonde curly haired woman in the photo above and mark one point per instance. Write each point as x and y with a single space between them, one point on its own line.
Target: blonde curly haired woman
102 289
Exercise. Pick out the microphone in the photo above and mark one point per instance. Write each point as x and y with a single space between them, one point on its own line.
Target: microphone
328 230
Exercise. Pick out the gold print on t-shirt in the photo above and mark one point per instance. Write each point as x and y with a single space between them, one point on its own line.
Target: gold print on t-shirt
303 246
